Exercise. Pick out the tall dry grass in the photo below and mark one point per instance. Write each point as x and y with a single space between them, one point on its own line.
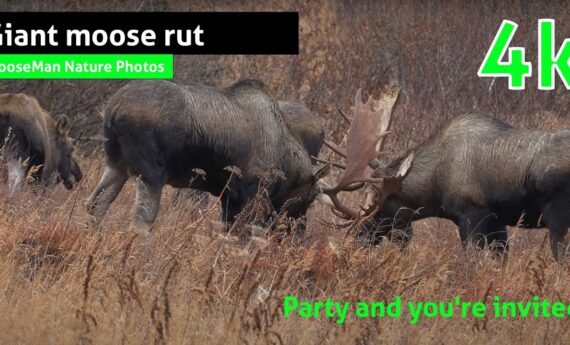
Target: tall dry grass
193 284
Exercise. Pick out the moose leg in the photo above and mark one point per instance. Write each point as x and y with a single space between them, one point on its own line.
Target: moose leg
241 205
497 239
15 151
476 225
557 219
238 196
141 154
558 243
16 174
398 231
558 228
147 205
230 209
402 233
105 193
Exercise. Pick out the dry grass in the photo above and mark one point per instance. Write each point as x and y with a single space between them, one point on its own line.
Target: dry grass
193 284
432 49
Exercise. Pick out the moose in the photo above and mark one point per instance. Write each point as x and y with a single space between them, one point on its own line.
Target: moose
304 125
162 132
35 144
477 171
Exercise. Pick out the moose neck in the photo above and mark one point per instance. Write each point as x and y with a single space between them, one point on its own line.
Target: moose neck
419 192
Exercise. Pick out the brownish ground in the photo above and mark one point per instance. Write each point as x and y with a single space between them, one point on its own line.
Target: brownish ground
192 284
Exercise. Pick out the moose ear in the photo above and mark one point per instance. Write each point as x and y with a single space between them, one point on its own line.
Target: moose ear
62 124
322 172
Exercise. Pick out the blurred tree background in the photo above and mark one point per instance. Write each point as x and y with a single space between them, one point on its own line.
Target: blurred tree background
432 49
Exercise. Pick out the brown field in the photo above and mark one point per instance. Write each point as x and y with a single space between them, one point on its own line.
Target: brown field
191 283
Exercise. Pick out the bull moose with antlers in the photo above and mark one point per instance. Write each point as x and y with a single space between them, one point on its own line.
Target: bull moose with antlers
161 132
477 171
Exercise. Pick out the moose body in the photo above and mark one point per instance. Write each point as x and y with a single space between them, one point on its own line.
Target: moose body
304 125
483 175
32 139
477 171
162 132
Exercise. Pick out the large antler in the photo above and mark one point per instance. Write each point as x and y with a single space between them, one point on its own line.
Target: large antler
365 141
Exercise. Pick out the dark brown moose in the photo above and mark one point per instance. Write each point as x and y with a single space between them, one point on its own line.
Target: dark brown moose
477 171
305 125
162 132
35 144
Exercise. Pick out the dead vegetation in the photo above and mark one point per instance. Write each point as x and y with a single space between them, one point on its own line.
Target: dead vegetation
431 49
193 284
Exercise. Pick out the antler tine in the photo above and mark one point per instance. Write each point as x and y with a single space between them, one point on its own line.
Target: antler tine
361 143
347 118
334 164
366 135
338 207
335 148
386 106
76 140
